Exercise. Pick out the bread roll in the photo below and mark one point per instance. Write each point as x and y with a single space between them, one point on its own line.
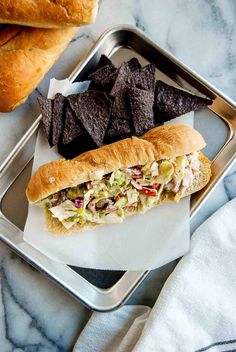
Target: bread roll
47 13
69 173
26 55
170 141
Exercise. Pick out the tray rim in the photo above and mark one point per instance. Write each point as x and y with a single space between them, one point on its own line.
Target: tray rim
29 133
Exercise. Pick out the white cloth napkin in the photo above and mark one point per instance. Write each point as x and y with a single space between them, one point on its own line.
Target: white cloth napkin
196 310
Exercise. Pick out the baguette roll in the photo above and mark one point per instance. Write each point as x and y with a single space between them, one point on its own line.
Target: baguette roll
26 55
59 174
48 14
120 179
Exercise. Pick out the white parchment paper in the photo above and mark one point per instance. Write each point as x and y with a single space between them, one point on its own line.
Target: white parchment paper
142 242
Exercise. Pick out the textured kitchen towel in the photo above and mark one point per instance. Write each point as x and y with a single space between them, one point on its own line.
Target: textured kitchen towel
196 310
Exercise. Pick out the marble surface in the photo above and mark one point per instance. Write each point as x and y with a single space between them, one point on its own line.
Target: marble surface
35 315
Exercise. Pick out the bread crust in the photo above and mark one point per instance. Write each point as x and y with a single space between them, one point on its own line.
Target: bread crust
26 54
54 226
174 140
163 143
47 13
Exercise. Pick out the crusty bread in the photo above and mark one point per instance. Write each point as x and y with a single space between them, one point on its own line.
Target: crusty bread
174 140
53 225
169 142
48 14
60 174
26 54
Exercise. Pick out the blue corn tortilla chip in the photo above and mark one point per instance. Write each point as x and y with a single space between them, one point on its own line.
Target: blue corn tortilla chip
118 129
94 86
72 127
104 76
171 102
134 64
103 79
123 81
99 75
141 107
46 106
79 145
121 107
93 110
144 78
108 82
104 61
120 91
58 112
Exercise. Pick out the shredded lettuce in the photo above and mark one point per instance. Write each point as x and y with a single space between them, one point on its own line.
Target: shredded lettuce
44 203
87 197
97 175
112 178
106 198
64 210
132 195
121 202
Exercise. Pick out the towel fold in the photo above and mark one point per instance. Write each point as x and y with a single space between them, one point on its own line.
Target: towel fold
196 309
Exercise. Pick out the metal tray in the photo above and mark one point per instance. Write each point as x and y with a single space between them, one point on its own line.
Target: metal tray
107 290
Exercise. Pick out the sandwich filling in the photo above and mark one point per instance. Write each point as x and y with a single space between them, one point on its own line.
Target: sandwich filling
109 198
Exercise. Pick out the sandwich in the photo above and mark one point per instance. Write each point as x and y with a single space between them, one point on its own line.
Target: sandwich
130 176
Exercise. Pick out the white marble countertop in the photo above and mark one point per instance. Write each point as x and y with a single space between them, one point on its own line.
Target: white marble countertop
35 315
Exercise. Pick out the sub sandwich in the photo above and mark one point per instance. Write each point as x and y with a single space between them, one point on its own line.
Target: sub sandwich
130 176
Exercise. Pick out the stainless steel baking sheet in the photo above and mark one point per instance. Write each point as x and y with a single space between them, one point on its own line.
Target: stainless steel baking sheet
99 290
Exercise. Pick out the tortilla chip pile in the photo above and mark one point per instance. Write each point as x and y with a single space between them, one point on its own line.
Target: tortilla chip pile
120 102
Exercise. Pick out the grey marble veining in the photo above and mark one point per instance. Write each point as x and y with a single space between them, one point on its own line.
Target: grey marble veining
35 315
